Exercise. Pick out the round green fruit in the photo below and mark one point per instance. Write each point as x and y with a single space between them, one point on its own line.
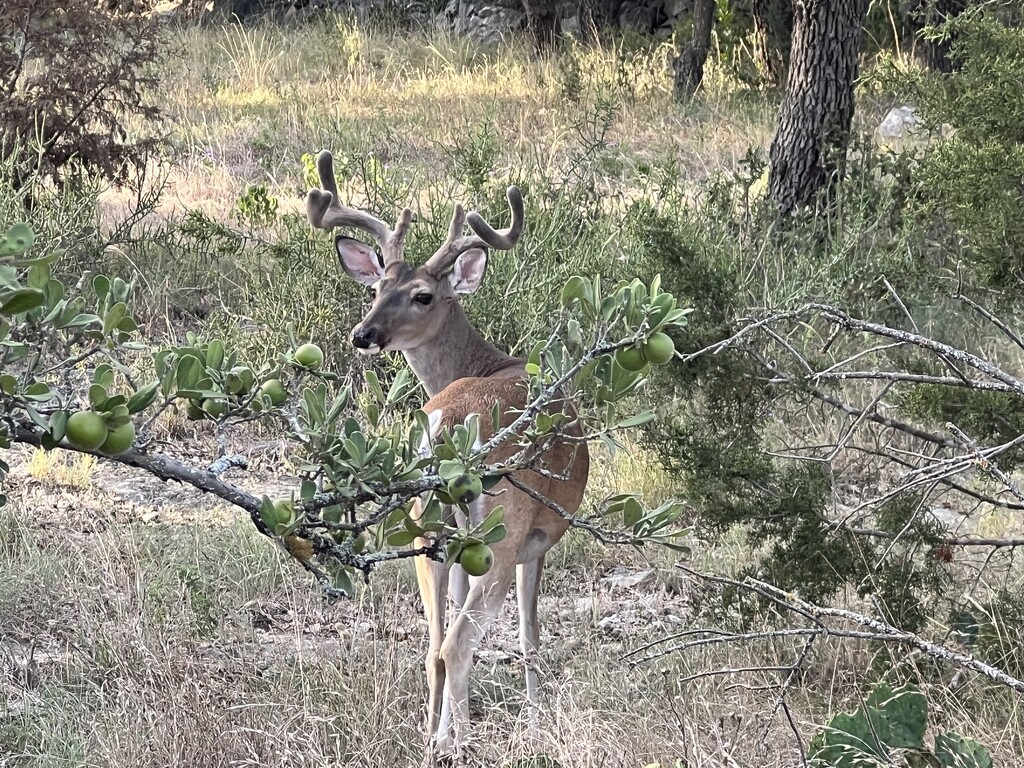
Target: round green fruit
476 560
465 488
86 430
119 440
274 389
215 408
659 349
631 359
309 356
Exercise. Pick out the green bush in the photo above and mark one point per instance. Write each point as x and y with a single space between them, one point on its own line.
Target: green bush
967 185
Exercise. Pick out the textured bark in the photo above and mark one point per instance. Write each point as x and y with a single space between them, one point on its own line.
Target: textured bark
689 65
773 30
543 22
809 148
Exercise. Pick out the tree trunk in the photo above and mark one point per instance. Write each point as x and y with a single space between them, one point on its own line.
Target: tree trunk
689 65
934 54
543 23
773 31
809 149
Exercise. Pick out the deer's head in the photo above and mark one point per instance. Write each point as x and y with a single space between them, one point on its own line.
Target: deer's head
411 304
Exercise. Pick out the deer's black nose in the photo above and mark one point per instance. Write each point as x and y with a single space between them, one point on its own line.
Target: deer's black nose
364 338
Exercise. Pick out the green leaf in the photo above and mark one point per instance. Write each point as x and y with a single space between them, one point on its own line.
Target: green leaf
8 384
497 533
401 538
101 285
955 751
189 371
636 421
20 301
450 469
307 490
144 398
343 582
39 276
38 391
97 394
114 316
576 287
215 354
495 518
48 258
632 512
373 383
58 425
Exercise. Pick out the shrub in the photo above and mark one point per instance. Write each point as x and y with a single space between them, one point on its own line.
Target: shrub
72 77
968 186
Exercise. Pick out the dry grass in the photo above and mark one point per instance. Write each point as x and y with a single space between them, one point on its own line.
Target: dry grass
140 627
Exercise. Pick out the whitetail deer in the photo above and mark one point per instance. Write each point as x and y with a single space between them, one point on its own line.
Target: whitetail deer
416 311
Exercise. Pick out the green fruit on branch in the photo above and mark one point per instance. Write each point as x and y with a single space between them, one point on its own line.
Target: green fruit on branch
309 356
477 559
631 358
465 488
86 430
274 389
215 408
659 349
119 439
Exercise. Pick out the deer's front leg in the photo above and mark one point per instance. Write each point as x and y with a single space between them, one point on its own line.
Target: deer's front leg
486 594
433 582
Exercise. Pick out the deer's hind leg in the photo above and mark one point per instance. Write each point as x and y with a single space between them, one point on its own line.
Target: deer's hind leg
528 576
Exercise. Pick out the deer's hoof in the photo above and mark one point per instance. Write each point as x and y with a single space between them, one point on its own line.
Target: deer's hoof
443 751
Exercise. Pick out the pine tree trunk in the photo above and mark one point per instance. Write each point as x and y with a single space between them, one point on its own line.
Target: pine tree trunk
773 30
809 149
689 65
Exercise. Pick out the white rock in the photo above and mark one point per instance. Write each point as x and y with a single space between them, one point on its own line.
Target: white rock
899 123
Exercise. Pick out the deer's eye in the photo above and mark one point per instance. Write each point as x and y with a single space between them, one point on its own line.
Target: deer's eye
423 298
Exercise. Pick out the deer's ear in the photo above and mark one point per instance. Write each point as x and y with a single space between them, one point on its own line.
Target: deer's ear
468 272
359 260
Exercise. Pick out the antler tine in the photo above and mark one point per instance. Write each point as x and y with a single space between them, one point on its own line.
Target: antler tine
486 236
458 222
325 212
505 240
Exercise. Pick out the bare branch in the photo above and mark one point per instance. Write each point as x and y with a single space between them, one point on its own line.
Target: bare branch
839 317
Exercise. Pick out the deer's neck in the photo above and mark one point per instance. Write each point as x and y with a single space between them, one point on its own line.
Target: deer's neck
458 352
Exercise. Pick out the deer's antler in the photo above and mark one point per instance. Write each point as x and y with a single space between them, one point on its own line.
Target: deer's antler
325 212
485 235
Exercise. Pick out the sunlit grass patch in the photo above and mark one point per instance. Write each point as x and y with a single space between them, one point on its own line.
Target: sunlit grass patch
68 469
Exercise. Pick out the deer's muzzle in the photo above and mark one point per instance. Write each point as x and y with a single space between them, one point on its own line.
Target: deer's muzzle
366 338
